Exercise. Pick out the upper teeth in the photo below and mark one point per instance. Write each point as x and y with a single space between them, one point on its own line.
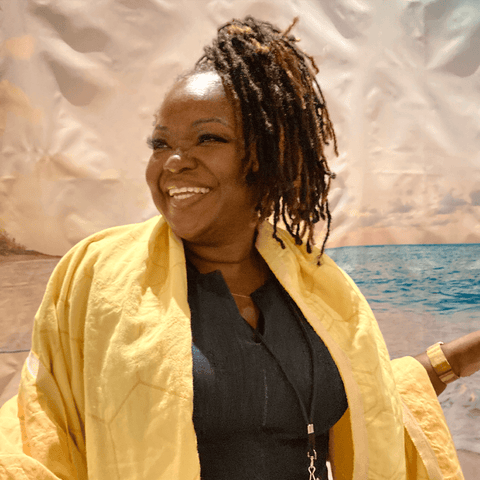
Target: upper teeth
178 191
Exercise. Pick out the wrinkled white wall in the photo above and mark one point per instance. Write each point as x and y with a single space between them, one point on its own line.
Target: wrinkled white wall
80 81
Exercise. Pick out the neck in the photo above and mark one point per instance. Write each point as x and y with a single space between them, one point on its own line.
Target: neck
242 267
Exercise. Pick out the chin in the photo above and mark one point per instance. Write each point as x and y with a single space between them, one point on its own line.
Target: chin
187 233
199 228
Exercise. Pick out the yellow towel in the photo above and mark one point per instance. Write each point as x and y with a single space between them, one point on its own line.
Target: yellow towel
107 391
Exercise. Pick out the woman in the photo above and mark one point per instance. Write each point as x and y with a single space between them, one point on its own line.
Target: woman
209 342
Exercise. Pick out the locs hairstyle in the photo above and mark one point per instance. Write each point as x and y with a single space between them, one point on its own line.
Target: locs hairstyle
285 122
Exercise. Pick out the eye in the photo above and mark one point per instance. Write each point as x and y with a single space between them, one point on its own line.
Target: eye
208 138
156 143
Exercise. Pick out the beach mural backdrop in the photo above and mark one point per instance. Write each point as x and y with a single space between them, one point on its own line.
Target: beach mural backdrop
80 82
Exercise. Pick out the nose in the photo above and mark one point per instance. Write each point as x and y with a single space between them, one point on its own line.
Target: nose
179 161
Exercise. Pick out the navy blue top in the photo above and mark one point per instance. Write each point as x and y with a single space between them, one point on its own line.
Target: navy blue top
247 418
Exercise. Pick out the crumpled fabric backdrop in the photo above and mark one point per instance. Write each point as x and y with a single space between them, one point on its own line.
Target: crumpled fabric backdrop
80 81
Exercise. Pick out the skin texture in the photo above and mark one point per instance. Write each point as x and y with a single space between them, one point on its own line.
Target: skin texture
197 142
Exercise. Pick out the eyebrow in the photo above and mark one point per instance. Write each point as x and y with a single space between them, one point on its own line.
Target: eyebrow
210 120
198 122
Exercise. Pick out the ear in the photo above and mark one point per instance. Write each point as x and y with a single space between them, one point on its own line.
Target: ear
251 165
253 159
255 165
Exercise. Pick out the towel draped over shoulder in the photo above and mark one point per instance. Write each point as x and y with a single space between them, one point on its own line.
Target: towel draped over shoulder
107 390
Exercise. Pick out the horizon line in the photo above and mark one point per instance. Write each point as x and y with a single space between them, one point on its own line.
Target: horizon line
402 245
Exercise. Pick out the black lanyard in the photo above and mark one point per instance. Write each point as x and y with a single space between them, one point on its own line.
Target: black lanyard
311 452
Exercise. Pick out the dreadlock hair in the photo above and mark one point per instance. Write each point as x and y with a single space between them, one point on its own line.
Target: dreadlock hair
285 122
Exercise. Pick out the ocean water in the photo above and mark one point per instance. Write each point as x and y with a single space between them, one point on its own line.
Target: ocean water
440 279
422 294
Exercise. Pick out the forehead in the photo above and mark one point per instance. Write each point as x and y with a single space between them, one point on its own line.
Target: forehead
206 84
196 95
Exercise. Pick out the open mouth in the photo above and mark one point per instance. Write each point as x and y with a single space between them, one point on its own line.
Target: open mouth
186 192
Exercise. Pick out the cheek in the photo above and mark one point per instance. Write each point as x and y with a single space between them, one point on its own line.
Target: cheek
152 172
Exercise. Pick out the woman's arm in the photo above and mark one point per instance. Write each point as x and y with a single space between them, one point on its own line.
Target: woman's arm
463 354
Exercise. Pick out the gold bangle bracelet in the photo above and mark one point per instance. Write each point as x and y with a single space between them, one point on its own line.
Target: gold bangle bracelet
440 363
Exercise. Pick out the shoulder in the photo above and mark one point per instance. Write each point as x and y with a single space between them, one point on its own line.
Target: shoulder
112 241
106 252
121 236
297 270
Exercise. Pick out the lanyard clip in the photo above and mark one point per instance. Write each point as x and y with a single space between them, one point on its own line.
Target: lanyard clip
311 468
312 453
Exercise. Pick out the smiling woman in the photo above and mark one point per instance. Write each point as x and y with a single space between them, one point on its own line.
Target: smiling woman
211 343
196 174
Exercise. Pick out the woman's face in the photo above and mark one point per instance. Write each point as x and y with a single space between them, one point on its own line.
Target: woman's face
195 173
